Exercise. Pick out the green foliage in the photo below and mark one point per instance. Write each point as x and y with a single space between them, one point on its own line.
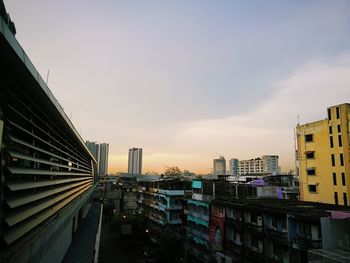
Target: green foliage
172 171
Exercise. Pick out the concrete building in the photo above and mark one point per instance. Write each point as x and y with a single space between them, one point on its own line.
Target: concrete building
233 167
135 161
47 172
104 152
219 166
100 151
323 157
162 200
198 216
267 230
267 164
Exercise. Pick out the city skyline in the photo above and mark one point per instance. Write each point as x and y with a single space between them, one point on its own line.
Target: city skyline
197 98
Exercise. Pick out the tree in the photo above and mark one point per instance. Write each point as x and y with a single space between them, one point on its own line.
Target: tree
172 171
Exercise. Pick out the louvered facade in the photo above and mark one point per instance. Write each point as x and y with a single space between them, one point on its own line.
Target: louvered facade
46 169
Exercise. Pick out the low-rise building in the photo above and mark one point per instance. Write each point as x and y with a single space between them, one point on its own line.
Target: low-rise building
270 230
162 200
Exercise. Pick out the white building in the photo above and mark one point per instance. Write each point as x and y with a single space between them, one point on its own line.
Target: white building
135 161
267 164
219 166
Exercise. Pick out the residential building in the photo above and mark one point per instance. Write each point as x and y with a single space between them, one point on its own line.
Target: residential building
323 157
198 216
267 164
270 164
219 166
135 161
100 151
162 200
47 172
268 230
233 167
104 152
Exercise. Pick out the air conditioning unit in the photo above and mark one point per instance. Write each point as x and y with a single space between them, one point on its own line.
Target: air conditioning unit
260 221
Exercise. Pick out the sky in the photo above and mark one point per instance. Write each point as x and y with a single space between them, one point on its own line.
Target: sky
190 80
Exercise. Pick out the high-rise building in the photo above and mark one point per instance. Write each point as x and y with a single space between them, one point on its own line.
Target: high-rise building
270 164
233 167
104 151
219 166
323 157
100 152
267 164
135 161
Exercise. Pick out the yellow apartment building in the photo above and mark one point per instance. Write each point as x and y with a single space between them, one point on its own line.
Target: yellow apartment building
323 157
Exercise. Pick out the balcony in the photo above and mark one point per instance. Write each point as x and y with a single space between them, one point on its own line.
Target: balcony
306 243
255 230
278 236
254 255
235 223
198 233
234 248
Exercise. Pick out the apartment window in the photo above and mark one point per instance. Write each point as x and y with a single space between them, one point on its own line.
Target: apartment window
312 188
341 159
343 179
310 155
336 198
333 160
311 171
340 141
345 199
338 112
330 130
338 127
331 141
329 114
334 179
309 137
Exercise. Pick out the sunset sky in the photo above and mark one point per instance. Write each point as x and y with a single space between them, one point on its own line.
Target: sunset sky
190 80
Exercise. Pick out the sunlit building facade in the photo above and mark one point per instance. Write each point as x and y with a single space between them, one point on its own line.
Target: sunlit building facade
323 157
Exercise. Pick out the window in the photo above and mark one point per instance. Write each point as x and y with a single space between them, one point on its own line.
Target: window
345 199
311 171
312 188
338 112
329 114
341 159
331 141
309 137
338 127
330 130
343 179
333 160
336 198
340 141
334 179
310 155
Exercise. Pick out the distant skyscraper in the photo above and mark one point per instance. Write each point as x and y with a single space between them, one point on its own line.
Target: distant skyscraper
100 151
135 161
104 151
233 167
219 166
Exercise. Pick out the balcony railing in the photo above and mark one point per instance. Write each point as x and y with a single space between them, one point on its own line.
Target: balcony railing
234 223
234 248
255 229
279 236
305 243
198 233
254 255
